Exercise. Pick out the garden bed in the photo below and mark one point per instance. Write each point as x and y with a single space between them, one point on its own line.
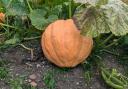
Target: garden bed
21 67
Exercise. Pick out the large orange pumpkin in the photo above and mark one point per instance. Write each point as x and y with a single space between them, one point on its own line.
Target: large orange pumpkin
63 44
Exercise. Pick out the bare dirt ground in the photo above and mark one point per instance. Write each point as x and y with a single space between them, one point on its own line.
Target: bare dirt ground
20 64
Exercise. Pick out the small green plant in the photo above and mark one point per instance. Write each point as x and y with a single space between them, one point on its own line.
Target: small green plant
88 76
49 79
3 72
3 62
19 83
16 83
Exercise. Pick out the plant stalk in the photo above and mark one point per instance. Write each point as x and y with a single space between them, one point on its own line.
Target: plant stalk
107 39
110 82
29 49
6 25
29 6
107 51
119 82
32 38
70 9
113 43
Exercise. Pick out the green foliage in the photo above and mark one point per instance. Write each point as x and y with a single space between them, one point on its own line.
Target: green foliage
19 83
117 17
110 17
39 19
49 80
114 79
3 62
3 72
62 70
16 83
126 40
15 7
27 18
12 41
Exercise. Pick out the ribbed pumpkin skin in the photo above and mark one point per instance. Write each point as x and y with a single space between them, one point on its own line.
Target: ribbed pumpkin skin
2 17
63 45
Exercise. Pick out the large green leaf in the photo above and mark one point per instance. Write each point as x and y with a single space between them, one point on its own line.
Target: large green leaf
117 13
40 20
110 17
15 7
91 21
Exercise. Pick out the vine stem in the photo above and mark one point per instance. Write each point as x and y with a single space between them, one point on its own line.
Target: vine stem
29 6
114 42
29 49
109 81
32 38
107 39
107 51
6 25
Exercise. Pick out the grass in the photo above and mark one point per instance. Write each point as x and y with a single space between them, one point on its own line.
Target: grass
49 79
19 83
14 83
3 62
3 70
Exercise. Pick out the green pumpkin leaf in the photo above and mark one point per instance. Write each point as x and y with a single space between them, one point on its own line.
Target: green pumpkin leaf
111 17
116 12
15 7
52 18
40 20
91 21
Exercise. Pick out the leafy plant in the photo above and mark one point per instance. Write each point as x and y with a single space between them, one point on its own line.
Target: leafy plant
49 80
110 17
3 72
114 79
27 18
18 83
39 19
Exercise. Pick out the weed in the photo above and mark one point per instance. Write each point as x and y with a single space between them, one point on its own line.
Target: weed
3 72
88 76
3 62
18 83
49 79
62 70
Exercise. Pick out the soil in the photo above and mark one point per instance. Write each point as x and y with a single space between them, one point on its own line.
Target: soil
21 64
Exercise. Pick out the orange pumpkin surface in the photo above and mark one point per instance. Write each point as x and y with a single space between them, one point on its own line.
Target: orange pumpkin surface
2 17
63 44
